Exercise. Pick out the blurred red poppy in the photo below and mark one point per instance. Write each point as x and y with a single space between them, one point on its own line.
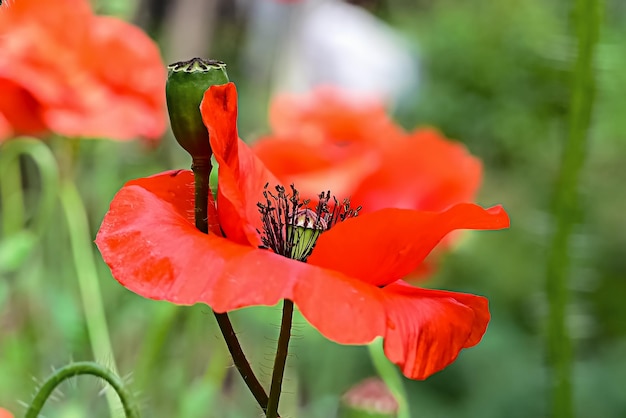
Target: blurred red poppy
5 414
350 286
65 70
328 139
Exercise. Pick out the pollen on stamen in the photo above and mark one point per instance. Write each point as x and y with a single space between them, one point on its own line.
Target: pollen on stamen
291 228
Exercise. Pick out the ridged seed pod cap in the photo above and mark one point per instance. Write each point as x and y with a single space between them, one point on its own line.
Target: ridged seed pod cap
186 83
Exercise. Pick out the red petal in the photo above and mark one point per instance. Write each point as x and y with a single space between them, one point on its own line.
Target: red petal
421 171
91 75
177 188
242 175
148 240
328 115
426 329
314 167
382 247
19 111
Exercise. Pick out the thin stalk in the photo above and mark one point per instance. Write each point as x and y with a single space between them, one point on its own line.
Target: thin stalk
201 171
280 360
75 369
566 206
87 273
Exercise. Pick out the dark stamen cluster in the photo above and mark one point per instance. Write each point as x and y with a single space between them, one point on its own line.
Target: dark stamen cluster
290 227
338 212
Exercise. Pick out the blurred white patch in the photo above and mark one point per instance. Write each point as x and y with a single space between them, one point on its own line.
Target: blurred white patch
312 42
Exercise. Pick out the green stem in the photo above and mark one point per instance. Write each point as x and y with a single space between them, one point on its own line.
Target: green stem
390 375
565 207
75 369
201 171
86 271
11 193
280 360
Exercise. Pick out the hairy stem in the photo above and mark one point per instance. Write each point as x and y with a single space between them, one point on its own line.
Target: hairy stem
565 208
75 369
201 171
280 360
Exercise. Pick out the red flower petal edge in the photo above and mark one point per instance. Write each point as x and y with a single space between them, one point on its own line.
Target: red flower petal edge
152 247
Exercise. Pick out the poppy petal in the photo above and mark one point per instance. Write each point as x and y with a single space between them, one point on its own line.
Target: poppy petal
421 171
90 75
177 186
314 168
329 115
152 247
426 329
384 246
242 176
20 111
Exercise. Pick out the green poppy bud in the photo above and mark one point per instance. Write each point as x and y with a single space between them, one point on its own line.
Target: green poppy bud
186 83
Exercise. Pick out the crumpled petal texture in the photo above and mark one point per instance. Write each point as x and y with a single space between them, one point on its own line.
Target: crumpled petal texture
86 75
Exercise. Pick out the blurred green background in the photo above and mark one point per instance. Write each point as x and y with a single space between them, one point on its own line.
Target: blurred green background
494 75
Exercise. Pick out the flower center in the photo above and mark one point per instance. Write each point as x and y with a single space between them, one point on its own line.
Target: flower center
291 228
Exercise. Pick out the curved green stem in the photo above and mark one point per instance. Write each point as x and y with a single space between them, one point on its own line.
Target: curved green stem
201 171
565 207
280 360
11 193
75 369
390 375
87 273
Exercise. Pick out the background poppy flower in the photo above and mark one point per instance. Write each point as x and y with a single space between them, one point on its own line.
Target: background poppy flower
67 71
350 287
330 139
5 414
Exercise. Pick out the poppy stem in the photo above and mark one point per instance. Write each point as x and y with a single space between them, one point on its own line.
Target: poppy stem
239 358
75 369
280 360
566 207
201 171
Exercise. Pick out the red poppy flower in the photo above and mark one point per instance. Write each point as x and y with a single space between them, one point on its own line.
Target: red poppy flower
328 139
5 414
65 70
350 286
